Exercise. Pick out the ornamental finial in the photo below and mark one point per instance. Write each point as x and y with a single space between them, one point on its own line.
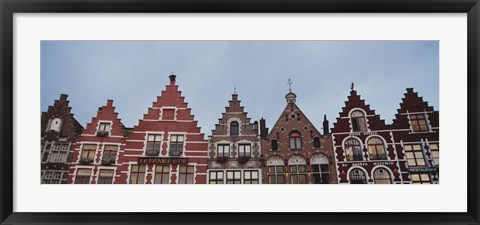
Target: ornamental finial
353 85
289 85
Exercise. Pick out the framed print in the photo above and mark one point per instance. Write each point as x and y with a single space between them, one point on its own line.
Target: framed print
188 112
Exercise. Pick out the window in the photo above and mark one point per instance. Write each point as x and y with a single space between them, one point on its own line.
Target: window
422 178
316 142
137 174
110 153
275 174
321 174
234 128
357 176
162 174
83 176
105 177
88 151
215 177
57 175
186 174
250 177
223 150
176 145
381 176
358 121
295 140
48 175
154 143
55 124
418 122
435 154
233 177
274 145
376 149
353 151
104 127
298 174
414 155
244 150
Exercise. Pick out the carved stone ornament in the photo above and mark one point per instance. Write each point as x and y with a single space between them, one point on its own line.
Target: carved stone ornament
296 160
275 160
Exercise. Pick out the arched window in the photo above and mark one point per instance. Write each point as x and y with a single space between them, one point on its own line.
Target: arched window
55 124
320 169
274 145
295 141
353 150
357 176
376 149
358 121
316 142
381 176
234 128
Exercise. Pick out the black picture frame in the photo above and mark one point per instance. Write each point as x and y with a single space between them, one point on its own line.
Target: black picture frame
9 7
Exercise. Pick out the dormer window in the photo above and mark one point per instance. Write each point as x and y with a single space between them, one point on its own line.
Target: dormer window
358 121
234 128
55 124
295 141
418 122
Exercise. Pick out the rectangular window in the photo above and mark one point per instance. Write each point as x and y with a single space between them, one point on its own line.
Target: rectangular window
83 176
435 153
244 150
295 143
298 174
137 174
88 151
154 144
420 178
186 174
250 177
320 174
215 177
275 175
57 175
414 155
223 150
104 127
48 175
418 122
234 177
162 174
176 145
105 176
109 153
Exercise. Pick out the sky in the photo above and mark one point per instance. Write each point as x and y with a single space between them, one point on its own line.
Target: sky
133 73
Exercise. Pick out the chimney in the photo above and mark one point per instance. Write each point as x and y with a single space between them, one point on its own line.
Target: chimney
263 129
172 78
63 97
109 102
325 125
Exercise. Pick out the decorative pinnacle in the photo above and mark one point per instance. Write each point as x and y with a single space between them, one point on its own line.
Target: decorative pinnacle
351 87
289 85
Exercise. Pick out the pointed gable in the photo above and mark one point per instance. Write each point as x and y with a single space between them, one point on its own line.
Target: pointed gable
413 103
292 118
235 110
106 114
355 102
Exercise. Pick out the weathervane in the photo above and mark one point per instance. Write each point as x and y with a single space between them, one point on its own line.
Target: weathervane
289 85
234 88
353 85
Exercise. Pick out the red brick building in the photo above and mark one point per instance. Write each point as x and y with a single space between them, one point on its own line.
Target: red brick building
416 132
166 147
235 156
97 151
58 134
368 151
295 152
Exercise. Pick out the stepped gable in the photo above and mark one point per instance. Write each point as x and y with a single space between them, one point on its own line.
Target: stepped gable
413 103
106 113
70 126
234 108
354 101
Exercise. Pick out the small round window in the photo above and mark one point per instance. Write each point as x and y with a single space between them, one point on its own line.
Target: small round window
293 116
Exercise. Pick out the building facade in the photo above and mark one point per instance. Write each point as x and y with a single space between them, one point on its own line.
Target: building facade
295 152
416 132
96 156
368 151
166 147
58 136
234 148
